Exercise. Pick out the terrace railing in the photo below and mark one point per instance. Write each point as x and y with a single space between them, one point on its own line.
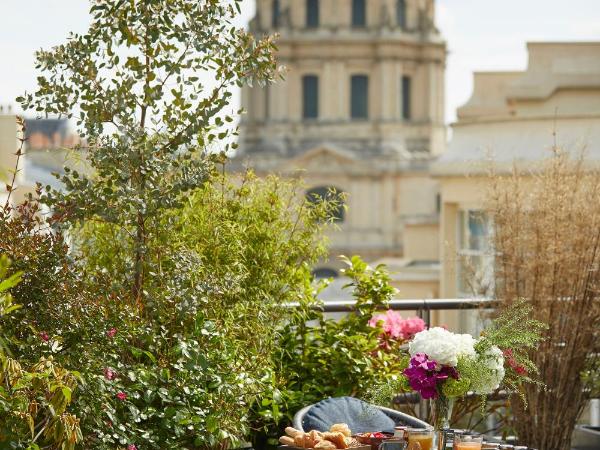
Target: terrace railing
423 308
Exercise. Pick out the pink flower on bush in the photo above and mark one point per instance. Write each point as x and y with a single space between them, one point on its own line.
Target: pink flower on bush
44 336
121 395
412 326
396 327
111 333
131 447
109 374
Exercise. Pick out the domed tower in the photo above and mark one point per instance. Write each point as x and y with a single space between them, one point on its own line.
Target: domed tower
362 106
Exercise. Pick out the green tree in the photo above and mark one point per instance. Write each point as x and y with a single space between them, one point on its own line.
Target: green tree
134 82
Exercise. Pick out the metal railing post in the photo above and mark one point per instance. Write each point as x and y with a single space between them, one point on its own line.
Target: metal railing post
595 412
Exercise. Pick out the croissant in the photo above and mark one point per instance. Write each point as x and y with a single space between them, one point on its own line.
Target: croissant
299 440
325 445
337 438
290 431
313 438
342 428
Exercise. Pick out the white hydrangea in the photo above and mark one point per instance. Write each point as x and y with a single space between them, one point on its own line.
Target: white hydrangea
442 346
493 361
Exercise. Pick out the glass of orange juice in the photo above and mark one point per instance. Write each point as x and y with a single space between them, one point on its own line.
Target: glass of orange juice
467 442
423 436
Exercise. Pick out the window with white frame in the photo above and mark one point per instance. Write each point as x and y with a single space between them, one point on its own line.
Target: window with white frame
475 254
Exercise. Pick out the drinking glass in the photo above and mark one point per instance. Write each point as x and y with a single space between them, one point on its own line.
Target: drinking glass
423 436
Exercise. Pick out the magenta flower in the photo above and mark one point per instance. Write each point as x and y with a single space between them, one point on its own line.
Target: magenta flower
109 374
111 333
121 395
131 447
424 374
44 336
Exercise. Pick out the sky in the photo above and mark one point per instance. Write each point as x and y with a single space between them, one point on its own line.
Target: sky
480 34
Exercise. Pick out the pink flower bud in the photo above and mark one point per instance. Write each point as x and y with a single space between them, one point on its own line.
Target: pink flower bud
111 333
121 395
109 374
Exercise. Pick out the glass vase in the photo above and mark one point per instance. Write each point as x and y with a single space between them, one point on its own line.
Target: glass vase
441 411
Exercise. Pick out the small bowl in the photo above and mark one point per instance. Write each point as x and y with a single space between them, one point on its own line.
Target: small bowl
374 442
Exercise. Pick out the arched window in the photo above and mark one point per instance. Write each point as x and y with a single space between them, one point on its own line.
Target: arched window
329 193
276 14
310 96
312 13
325 272
401 13
359 97
359 13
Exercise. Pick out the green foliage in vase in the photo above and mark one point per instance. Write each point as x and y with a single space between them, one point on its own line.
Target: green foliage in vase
457 388
516 333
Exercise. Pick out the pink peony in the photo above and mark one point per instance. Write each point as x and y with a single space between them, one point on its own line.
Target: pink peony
109 374
121 395
396 327
111 333
44 336
412 326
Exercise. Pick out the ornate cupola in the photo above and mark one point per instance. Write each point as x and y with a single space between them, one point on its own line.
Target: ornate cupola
366 76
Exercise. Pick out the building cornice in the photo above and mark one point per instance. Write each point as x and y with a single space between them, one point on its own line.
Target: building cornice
483 120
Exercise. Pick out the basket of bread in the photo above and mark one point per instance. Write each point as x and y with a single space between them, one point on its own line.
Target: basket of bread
339 436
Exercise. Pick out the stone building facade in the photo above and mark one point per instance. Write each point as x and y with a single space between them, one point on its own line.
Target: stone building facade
361 110
512 118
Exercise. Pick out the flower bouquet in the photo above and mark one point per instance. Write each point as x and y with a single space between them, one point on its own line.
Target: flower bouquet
443 366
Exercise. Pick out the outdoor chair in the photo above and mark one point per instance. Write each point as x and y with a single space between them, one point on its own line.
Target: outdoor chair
360 416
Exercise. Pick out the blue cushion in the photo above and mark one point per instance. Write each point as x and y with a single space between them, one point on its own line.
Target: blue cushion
360 416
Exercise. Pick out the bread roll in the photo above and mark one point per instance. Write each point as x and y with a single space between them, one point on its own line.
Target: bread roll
286 440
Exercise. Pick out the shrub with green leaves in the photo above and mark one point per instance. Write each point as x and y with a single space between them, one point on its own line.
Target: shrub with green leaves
33 400
231 258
